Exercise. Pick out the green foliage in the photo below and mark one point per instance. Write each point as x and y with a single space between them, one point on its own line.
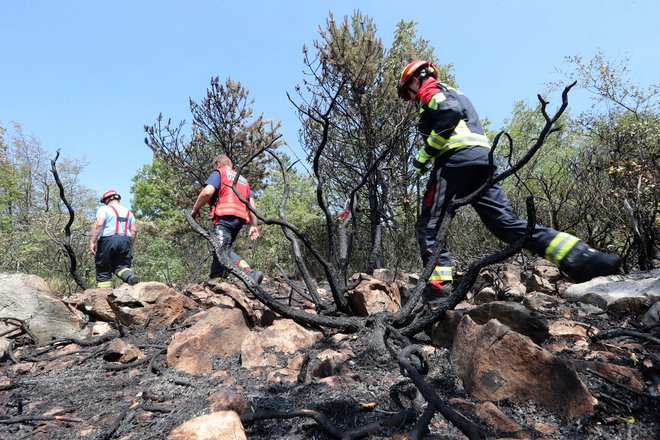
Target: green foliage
223 123
32 217
301 209
166 249
620 153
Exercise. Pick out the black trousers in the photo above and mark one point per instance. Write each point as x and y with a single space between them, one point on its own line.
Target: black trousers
226 230
113 255
492 206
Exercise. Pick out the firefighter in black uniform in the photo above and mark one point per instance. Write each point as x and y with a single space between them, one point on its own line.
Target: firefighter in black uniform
457 148
116 231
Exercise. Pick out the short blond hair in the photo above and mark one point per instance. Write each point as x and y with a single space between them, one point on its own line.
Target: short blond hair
223 160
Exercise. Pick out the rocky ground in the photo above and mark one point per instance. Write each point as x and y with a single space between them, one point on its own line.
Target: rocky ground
87 388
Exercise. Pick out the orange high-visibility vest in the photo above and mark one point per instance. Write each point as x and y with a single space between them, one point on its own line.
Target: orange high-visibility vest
228 203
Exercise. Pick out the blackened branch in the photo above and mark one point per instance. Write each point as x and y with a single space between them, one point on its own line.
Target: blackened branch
73 265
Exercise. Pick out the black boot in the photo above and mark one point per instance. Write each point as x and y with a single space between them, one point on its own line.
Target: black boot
127 275
434 291
583 263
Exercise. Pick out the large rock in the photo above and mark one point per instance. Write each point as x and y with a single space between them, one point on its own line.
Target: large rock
619 293
652 316
496 363
152 304
509 282
514 315
29 298
373 296
284 335
221 425
239 297
217 331
93 302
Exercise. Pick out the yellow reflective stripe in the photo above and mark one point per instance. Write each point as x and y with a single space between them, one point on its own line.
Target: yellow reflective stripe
476 140
122 271
436 141
414 67
441 273
104 284
461 137
559 247
440 278
436 100
422 156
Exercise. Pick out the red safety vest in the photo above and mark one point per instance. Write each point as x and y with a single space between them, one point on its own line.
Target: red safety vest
228 203
121 219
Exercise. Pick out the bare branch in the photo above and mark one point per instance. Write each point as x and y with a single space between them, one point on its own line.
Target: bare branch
73 265
345 323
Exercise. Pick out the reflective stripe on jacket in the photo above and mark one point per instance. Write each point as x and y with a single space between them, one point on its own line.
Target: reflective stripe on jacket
447 121
228 203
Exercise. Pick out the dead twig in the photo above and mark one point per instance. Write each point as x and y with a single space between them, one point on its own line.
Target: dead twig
182 382
29 418
136 363
155 408
624 332
21 325
10 352
465 425
108 433
328 425
622 386
90 342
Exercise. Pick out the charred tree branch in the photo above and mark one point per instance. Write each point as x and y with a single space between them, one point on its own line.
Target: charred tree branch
73 265
345 323
466 426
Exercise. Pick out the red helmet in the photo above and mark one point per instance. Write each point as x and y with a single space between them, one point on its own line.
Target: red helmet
110 194
421 68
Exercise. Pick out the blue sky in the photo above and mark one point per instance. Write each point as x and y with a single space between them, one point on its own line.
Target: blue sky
86 76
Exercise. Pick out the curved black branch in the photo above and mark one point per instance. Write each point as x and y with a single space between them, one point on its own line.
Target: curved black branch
337 286
328 425
624 332
346 323
470 277
295 244
466 426
73 265
21 326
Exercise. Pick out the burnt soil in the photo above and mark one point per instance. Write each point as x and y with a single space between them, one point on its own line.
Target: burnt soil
148 401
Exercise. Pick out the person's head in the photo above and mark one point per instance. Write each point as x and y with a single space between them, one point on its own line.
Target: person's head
109 196
412 77
222 161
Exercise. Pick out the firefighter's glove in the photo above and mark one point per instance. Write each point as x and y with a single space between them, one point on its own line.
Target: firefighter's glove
421 162
420 168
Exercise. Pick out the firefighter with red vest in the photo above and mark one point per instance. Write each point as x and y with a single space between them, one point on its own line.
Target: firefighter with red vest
115 230
456 151
229 214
